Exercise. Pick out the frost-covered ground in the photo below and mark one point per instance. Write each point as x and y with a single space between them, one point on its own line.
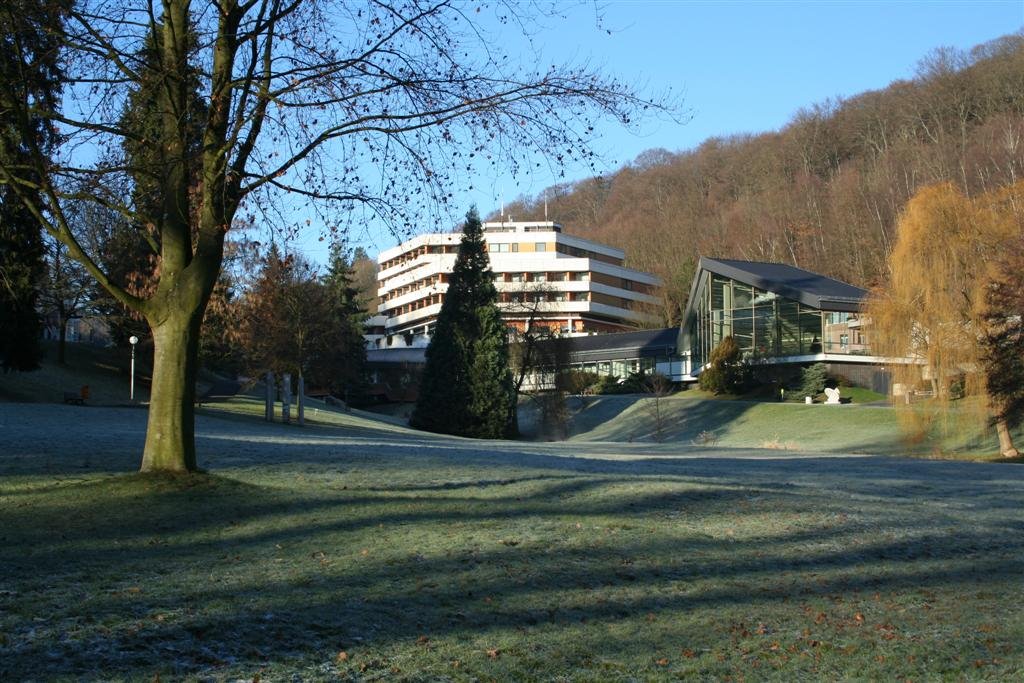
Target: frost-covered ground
46 438
365 550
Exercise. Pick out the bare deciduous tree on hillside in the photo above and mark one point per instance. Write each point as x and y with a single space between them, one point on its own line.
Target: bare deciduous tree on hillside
826 191
384 105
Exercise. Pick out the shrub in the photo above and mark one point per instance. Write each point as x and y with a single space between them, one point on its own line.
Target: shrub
608 384
577 382
635 383
813 379
725 373
840 380
706 438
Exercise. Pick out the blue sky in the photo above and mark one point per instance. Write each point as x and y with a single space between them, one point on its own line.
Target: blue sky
741 67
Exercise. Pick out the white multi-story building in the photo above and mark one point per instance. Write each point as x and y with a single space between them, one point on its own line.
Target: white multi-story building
543 276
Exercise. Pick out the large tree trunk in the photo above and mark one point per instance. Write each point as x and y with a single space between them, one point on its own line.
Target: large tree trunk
1006 446
170 434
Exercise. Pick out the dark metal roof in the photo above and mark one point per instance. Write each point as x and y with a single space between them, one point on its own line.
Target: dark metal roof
595 347
617 345
402 354
791 282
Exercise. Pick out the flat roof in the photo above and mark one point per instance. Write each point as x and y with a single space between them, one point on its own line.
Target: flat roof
401 354
614 345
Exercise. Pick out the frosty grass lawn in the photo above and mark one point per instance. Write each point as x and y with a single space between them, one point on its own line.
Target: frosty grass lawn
360 550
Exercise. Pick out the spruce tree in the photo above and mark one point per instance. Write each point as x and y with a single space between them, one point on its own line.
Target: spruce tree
22 271
343 363
466 387
30 80
492 394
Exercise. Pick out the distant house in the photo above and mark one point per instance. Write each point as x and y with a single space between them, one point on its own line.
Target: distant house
777 314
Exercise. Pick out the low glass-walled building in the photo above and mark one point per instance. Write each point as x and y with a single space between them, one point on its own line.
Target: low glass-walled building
773 311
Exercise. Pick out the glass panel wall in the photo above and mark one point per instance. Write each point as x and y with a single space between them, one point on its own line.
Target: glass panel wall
765 324
843 334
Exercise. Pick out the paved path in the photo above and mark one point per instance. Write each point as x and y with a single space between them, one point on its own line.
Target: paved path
64 441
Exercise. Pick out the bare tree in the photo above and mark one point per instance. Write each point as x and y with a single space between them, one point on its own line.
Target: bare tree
68 292
659 387
540 355
385 105
525 304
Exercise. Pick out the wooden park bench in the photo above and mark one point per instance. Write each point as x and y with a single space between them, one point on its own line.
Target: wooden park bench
77 397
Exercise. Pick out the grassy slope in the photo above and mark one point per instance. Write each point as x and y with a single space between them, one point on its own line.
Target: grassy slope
317 413
750 424
436 559
105 370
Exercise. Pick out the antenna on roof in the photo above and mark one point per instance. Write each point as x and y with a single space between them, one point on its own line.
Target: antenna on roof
502 195
545 205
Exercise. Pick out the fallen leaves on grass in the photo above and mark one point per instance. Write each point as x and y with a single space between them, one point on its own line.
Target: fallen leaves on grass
888 631
342 657
494 653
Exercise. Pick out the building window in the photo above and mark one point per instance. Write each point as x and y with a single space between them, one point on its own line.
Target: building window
540 246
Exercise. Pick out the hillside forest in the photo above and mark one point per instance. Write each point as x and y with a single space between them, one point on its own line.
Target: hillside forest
823 193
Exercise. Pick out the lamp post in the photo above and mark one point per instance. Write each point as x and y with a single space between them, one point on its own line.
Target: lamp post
133 340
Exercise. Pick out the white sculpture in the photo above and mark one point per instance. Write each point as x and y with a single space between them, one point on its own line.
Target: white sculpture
832 396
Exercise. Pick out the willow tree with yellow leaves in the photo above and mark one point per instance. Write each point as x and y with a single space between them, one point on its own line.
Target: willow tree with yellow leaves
932 315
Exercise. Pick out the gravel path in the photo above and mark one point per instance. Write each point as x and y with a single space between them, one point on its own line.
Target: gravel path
65 440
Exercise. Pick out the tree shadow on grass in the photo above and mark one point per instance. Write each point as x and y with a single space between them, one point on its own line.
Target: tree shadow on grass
217 574
631 418
181 578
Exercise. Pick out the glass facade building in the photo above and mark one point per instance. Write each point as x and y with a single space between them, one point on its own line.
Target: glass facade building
771 311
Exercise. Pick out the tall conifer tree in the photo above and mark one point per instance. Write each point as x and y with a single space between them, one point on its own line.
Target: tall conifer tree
467 386
343 362
30 75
